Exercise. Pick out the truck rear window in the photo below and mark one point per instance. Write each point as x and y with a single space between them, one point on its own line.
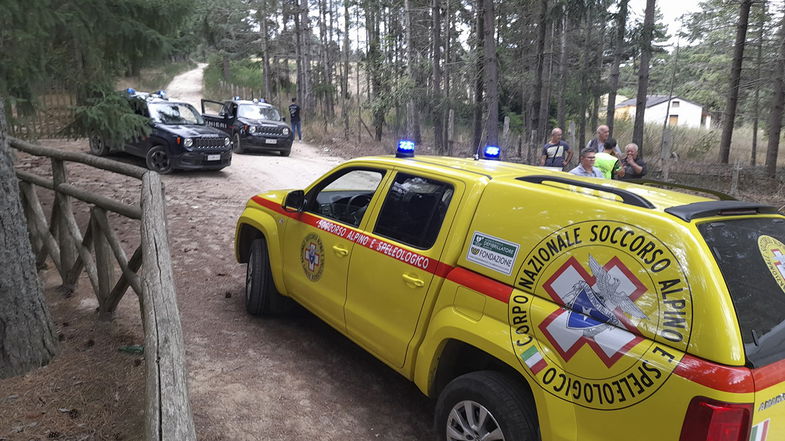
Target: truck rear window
751 255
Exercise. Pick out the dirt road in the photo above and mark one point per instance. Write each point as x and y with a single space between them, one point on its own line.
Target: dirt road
258 379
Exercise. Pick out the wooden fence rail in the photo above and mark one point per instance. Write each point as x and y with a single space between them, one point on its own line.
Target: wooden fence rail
167 409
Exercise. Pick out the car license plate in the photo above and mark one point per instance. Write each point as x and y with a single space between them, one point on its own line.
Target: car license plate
271 141
213 157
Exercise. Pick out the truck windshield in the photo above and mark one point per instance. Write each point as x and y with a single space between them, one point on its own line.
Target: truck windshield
252 111
174 114
751 255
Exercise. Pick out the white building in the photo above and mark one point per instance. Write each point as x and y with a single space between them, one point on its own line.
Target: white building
682 113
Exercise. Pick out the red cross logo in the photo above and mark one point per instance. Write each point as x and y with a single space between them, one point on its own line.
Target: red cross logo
592 314
779 261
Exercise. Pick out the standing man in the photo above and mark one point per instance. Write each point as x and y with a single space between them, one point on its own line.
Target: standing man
608 162
556 152
294 116
634 167
586 167
598 142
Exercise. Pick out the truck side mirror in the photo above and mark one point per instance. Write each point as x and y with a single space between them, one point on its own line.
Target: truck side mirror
295 201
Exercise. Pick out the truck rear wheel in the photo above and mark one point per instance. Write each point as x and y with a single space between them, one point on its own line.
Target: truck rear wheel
485 405
261 297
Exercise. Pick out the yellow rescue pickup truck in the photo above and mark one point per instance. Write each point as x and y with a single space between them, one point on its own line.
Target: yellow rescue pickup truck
537 305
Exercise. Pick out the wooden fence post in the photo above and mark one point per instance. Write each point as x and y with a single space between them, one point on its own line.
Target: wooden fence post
734 184
104 266
67 247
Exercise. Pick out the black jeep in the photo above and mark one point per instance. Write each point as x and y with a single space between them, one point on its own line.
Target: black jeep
180 139
253 125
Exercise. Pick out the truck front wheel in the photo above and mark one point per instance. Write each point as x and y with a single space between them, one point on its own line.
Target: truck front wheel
485 405
261 297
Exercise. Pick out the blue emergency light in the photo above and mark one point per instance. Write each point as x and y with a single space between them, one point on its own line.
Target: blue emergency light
405 149
236 98
130 91
491 152
162 94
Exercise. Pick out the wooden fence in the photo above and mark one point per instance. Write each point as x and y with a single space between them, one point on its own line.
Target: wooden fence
167 408
52 113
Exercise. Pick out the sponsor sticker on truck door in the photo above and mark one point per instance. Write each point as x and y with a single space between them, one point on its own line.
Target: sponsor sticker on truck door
492 252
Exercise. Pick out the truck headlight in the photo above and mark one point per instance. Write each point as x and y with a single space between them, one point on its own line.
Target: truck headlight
285 131
226 142
188 142
252 130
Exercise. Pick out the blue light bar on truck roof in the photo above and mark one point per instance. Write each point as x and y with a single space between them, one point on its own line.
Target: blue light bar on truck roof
492 152
405 149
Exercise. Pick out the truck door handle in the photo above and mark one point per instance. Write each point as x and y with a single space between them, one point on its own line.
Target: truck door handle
342 252
413 281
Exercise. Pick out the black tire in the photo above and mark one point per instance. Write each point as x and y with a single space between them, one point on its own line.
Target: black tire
510 408
286 152
158 159
98 146
261 296
237 146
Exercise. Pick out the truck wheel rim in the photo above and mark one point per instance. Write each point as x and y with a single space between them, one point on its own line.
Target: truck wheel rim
160 161
471 421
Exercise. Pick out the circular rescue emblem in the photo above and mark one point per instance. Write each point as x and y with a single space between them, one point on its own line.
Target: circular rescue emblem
773 253
620 304
312 257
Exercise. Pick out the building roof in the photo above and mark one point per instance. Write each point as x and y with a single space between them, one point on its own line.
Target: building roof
653 100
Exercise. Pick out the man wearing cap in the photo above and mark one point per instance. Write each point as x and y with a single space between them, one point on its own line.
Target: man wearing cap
608 162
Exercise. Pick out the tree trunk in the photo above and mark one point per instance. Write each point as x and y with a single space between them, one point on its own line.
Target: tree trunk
436 32
412 117
756 101
27 337
560 106
491 74
478 82
547 82
643 76
263 14
298 53
777 104
540 62
735 78
584 74
618 50
308 98
345 78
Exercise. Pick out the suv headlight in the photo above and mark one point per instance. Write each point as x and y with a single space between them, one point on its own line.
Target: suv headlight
285 131
252 130
226 142
188 142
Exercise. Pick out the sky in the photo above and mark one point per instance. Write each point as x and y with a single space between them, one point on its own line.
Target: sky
671 11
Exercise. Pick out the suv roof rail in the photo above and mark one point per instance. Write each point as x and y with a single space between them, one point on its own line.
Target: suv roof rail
697 210
627 197
654 183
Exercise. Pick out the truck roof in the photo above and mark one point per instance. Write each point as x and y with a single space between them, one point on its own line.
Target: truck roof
683 205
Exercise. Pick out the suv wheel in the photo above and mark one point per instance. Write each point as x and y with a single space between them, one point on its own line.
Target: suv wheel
158 160
236 146
261 297
485 405
98 146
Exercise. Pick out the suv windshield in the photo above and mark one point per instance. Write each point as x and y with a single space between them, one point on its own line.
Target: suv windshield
174 113
751 256
252 111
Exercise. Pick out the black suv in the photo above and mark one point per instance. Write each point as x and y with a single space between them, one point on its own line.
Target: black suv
253 125
180 139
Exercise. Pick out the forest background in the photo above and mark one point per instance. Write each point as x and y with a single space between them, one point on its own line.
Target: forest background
452 75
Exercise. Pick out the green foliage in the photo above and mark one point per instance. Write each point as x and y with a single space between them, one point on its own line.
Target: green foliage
84 45
110 117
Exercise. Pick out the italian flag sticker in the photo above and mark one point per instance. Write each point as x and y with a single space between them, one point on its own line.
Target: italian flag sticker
534 360
759 431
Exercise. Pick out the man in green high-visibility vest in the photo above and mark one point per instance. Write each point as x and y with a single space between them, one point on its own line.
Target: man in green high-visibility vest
608 162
